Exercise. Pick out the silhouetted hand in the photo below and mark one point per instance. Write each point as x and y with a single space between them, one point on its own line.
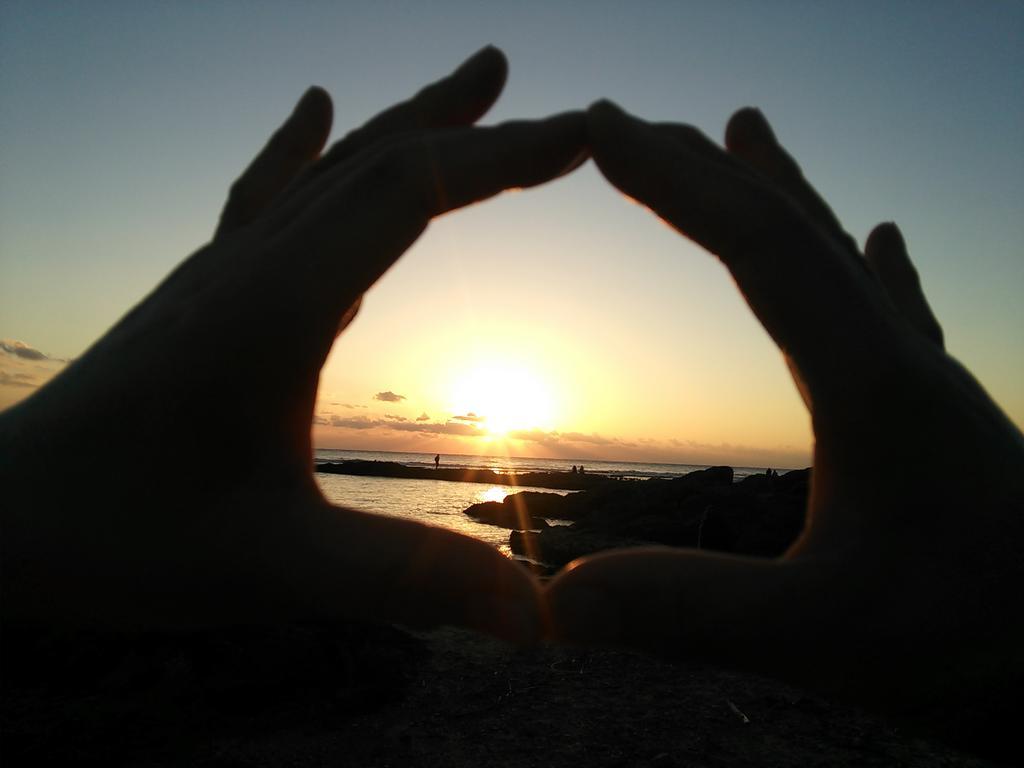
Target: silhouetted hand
904 590
165 478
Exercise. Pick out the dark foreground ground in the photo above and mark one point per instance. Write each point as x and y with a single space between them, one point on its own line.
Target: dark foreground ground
377 696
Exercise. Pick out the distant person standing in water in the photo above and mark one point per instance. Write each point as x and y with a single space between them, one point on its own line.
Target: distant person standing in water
574 469
437 461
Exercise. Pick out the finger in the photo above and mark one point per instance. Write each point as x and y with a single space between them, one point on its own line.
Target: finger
292 147
359 565
461 98
749 136
886 254
675 603
372 213
818 304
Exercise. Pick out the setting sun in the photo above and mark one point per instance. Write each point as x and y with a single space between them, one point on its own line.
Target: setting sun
504 396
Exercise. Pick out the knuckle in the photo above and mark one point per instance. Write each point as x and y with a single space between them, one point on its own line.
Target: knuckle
403 172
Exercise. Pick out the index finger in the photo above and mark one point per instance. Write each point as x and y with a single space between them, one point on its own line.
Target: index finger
370 214
811 298
460 98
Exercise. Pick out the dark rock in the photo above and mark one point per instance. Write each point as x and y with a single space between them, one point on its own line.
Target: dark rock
519 511
711 477
540 505
759 516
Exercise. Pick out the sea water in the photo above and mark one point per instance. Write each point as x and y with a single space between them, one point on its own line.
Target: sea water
443 503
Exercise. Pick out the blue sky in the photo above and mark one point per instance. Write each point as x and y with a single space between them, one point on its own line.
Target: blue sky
121 125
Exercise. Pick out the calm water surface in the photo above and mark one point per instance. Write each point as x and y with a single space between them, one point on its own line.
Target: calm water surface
434 502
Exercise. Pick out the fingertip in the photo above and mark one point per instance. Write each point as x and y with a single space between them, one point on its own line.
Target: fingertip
886 237
315 100
572 123
573 126
490 56
607 124
479 80
315 113
747 126
606 109
487 66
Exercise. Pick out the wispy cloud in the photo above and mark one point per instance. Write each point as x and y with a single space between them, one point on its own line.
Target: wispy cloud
22 369
556 438
423 417
389 397
437 428
356 422
22 350
18 380
401 424
470 417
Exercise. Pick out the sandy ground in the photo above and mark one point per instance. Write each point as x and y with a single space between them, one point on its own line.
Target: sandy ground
379 696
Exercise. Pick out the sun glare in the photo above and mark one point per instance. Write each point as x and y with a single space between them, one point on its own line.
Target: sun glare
506 396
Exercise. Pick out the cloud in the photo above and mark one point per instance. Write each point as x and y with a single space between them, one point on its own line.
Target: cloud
22 369
423 417
22 350
438 428
356 422
401 424
348 405
17 380
471 417
554 438
389 397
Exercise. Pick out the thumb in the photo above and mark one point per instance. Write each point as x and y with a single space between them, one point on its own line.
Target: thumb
359 565
735 610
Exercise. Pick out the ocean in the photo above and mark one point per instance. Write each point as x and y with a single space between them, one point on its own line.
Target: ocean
442 503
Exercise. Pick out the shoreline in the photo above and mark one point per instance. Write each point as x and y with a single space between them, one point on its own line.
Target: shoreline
565 481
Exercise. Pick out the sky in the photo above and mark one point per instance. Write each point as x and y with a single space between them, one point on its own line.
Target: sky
563 321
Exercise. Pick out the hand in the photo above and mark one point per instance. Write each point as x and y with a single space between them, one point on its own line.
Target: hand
904 589
165 478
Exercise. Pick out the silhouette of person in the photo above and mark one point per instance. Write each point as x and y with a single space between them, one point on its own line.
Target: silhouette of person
574 469
858 606
582 470
437 461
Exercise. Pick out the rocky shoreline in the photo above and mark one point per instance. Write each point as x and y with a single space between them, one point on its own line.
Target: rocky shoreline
759 515
566 481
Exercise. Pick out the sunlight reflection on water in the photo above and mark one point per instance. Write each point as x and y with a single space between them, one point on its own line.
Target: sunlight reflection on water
434 502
